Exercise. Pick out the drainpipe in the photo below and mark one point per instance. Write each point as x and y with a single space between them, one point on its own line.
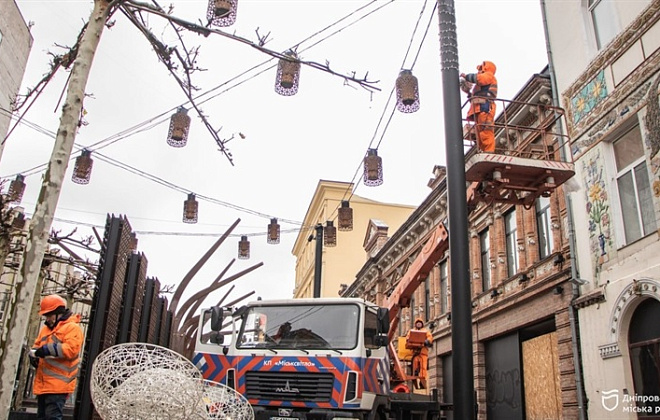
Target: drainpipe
572 311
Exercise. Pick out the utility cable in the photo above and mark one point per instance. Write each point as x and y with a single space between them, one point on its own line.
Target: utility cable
164 116
160 118
354 182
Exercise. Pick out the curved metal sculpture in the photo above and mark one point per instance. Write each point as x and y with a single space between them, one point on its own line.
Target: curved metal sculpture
144 381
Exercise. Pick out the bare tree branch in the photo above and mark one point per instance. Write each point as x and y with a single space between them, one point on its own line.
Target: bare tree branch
173 61
206 31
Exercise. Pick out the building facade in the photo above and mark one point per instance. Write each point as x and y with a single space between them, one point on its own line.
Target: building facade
339 263
605 58
525 334
15 45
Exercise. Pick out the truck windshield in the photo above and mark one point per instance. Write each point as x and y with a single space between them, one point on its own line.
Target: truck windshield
300 326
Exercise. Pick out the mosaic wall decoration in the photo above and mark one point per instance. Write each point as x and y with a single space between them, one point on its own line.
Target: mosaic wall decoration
652 135
623 110
598 210
588 97
652 119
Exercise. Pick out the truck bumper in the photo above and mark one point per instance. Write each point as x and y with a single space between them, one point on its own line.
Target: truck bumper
297 413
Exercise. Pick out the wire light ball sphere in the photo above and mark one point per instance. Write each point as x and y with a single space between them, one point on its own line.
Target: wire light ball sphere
140 381
224 403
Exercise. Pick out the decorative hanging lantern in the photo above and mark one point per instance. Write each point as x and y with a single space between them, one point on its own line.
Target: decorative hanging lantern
83 168
16 189
329 234
273 232
407 92
288 75
190 209
345 217
222 12
177 136
373 169
243 248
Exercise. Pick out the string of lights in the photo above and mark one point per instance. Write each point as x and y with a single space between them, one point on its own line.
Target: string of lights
170 233
351 191
166 183
162 117
207 96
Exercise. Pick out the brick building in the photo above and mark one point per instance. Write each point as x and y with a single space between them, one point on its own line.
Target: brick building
15 45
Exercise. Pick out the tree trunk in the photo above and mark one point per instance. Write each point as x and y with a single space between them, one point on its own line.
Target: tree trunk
33 330
13 334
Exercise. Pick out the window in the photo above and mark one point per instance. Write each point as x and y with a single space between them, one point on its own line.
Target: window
413 314
302 326
484 246
644 345
443 286
427 298
632 181
511 235
544 226
604 20
370 330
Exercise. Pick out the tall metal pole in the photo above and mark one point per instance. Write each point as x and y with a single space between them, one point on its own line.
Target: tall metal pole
461 307
317 260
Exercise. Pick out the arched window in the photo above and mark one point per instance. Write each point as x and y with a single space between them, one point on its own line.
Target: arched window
644 343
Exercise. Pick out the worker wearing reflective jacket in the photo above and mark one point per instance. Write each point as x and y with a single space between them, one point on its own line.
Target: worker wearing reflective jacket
55 355
420 364
482 105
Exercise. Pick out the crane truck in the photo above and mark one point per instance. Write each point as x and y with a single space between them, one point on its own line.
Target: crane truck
322 358
335 358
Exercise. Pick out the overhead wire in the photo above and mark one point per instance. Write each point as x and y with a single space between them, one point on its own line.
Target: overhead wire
204 97
170 233
171 185
162 117
353 182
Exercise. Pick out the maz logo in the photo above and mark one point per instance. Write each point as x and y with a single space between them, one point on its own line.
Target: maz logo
287 388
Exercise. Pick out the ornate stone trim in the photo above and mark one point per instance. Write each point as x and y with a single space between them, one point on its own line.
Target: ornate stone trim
589 299
609 351
633 291
578 127
622 42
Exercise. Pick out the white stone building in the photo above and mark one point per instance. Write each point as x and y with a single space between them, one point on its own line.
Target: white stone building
605 59
15 44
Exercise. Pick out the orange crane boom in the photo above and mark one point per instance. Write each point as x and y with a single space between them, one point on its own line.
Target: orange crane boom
431 253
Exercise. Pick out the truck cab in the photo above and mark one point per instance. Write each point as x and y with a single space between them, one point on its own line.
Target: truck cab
323 358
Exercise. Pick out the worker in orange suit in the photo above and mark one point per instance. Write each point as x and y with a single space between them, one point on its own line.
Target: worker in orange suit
421 357
55 355
482 104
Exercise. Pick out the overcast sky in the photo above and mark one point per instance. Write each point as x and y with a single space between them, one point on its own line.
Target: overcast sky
290 143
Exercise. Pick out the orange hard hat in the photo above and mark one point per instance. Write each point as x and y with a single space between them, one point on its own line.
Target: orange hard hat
50 303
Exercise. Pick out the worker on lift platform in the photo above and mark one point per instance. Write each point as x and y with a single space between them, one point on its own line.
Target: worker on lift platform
482 108
419 340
